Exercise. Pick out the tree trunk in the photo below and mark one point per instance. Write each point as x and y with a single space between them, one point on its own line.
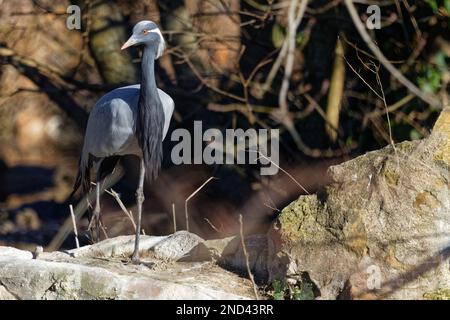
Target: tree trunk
107 33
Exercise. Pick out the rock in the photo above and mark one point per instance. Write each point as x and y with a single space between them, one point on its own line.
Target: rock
228 252
5 295
121 246
232 256
219 248
379 231
442 128
182 246
13 253
103 271
443 294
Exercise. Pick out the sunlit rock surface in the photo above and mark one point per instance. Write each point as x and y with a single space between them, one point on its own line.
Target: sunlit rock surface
103 271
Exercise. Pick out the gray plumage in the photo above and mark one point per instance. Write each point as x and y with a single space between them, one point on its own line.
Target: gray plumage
131 120
111 128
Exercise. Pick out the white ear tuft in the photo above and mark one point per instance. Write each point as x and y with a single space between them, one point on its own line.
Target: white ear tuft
162 43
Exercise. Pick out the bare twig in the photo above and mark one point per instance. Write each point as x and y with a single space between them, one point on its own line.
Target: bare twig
75 231
314 105
129 214
391 140
174 217
261 155
283 52
273 71
293 23
239 107
250 274
383 60
204 82
80 209
190 197
212 226
363 80
393 107
102 227
282 116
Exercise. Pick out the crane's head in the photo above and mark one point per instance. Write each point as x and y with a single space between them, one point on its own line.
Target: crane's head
146 33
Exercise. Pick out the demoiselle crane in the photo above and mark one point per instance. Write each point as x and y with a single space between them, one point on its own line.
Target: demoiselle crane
131 120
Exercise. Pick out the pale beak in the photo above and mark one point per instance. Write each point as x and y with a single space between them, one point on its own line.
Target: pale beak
130 42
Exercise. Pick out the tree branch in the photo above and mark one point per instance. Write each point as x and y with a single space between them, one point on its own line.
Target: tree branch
384 61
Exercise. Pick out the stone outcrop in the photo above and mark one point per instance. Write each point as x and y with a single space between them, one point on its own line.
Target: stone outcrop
381 230
173 267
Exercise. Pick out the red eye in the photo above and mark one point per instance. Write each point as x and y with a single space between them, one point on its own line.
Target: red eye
145 31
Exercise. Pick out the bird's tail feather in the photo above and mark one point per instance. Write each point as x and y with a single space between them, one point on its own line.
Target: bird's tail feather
82 180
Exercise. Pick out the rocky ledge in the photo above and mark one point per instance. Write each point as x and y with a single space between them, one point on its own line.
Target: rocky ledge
381 230
178 266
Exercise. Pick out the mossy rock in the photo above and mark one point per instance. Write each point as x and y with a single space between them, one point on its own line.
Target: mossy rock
442 294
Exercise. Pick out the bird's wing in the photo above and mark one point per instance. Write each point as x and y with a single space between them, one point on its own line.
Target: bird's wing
110 128
168 106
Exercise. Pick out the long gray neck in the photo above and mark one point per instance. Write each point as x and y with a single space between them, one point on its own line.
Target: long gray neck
150 117
149 91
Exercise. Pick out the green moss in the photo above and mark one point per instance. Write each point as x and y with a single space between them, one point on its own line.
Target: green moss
441 294
443 154
390 177
81 286
294 215
405 146
96 289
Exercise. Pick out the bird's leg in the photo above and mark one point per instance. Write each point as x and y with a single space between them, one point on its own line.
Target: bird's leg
139 200
96 217
93 226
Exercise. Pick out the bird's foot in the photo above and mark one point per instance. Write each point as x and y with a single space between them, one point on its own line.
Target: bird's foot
135 258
